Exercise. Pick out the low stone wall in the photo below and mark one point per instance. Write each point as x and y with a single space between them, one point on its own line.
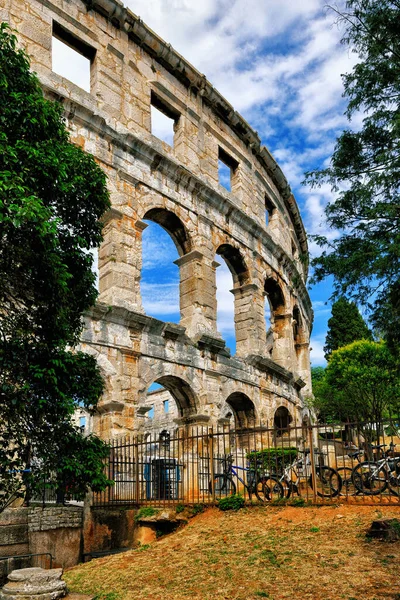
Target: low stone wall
108 529
14 531
56 530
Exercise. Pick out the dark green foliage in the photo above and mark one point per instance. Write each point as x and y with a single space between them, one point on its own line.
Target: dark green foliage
197 509
52 196
145 511
234 502
345 326
365 170
272 460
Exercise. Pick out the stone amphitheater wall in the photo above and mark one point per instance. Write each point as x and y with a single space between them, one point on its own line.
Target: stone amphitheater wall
178 187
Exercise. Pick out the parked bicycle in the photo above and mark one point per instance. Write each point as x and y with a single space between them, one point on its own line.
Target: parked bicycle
265 487
328 482
374 477
346 473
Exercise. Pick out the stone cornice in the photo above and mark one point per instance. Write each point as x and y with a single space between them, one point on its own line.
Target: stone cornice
124 19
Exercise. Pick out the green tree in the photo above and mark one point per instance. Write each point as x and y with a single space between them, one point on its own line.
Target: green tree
52 196
360 384
346 325
365 170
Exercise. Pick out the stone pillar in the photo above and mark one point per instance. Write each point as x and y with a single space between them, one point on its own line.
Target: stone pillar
186 144
120 261
282 351
197 288
249 320
303 363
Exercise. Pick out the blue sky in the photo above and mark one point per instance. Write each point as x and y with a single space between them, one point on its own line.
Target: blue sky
279 64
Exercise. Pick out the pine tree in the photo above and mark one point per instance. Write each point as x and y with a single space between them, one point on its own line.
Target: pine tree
345 326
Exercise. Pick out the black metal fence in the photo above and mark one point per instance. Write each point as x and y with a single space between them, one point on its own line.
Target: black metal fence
355 462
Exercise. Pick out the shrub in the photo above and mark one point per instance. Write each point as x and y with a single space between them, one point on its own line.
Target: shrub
234 502
146 511
272 460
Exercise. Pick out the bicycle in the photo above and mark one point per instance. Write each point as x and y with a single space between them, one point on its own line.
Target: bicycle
346 473
328 482
374 477
266 487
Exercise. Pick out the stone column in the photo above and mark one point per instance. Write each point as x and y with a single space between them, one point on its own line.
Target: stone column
197 288
303 363
282 351
120 261
249 320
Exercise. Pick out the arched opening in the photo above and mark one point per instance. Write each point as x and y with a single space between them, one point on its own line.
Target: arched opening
163 242
235 263
169 399
243 410
297 329
232 273
172 225
282 420
274 307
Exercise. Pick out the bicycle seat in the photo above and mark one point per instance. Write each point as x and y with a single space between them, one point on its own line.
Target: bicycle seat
355 453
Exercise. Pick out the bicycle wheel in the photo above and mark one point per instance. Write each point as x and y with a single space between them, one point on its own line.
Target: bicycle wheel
369 478
328 482
223 485
268 488
348 487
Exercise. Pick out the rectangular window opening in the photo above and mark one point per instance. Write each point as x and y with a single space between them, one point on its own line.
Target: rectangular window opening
226 169
71 57
150 413
269 210
166 407
164 120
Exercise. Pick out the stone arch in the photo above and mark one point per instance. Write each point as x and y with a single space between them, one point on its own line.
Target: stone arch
238 269
183 394
243 409
172 225
236 264
279 337
275 296
297 325
282 420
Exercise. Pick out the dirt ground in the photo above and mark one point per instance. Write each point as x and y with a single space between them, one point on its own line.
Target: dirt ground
319 553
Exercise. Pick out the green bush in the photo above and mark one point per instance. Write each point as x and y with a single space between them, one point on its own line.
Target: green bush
272 460
234 502
146 511
196 509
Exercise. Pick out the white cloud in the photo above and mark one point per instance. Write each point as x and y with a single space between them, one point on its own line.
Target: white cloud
160 299
225 301
158 249
317 352
70 64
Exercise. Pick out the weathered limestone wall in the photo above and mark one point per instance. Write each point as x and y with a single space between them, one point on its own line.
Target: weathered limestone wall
177 187
35 530
109 529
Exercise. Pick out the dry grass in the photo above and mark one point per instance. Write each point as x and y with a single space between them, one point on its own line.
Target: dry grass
267 552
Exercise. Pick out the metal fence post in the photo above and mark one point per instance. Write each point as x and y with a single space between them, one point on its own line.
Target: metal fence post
136 463
211 461
313 473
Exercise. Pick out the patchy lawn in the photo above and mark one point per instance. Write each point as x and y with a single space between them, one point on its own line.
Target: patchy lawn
258 552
